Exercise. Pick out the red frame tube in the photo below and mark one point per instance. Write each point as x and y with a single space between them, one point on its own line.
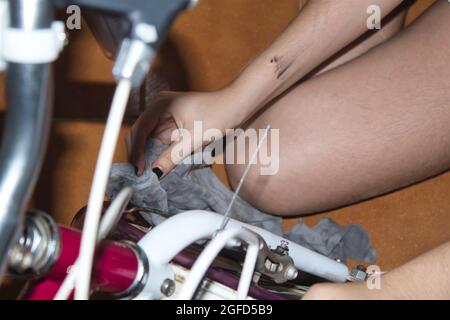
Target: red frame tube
115 268
116 265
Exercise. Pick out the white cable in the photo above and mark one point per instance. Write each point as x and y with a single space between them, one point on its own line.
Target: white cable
248 270
109 220
103 167
208 255
67 285
114 212
226 216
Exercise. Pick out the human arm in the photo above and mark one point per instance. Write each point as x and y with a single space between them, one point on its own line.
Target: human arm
425 277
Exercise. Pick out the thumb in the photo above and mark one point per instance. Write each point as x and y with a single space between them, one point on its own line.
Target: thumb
172 156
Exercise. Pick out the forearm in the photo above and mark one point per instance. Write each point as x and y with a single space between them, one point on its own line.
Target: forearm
321 29
425 277
374 125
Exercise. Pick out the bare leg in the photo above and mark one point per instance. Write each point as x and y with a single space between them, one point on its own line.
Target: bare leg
374 125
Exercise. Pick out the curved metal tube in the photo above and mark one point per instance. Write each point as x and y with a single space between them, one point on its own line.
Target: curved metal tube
26 127
190 226
211 251
170 237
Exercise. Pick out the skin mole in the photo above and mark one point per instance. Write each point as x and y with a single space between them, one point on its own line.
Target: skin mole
275 59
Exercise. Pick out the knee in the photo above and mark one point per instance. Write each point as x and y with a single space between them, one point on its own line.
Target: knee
256 189
260 185
266 193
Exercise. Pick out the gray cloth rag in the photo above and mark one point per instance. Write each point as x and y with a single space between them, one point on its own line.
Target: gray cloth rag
190 187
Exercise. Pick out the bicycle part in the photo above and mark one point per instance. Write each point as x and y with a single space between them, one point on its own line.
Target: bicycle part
27 116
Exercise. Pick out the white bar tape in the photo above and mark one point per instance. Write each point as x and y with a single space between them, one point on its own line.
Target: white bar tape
33 46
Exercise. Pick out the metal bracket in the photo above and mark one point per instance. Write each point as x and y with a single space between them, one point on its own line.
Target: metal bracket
358 274
276 264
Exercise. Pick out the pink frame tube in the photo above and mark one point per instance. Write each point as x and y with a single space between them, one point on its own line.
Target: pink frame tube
116 265
115 268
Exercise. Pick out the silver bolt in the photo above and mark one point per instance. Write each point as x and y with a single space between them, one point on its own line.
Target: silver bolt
291 273
147 33
168 287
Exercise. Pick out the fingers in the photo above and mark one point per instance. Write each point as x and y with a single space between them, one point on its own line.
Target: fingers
163 131
136 151
179 149
136 140
147 123
164 121
172 156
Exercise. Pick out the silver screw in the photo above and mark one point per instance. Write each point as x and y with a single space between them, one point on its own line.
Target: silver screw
283 248
291 273
168 287
147 32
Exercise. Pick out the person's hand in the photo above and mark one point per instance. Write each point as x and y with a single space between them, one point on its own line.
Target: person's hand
171 118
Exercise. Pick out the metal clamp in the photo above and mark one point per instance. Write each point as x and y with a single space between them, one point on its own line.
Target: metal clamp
142 274
276 264
133 61
33 46
38 247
